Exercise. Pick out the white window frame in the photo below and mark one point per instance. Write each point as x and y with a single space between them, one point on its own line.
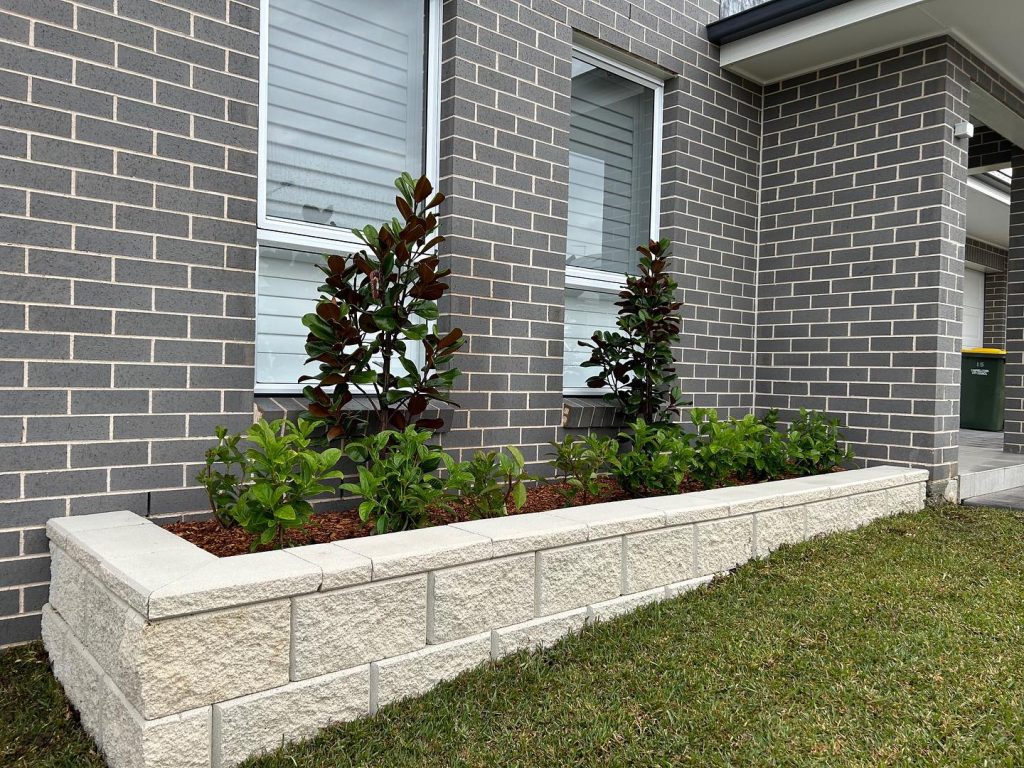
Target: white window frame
300 236
601 280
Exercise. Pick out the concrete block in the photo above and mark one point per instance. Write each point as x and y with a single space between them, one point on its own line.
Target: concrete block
229 581
578 575
846 512
906 498
78 673
340 567
537 633
613 518
689 507
724 544
418 551
332 631
190 661
776 527
470 599
262 721
656 558
177 741
513 534
609 609
413 674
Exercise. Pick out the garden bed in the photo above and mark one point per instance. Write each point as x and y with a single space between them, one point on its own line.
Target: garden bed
175 657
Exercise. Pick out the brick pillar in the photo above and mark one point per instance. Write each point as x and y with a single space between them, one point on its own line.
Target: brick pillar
1013 435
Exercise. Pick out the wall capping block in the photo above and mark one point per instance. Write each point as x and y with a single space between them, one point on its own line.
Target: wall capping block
159 643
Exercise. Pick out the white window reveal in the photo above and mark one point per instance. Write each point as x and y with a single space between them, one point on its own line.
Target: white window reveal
614 195
348 101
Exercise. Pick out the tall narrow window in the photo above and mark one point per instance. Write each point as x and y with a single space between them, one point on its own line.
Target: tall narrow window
346 89
614 180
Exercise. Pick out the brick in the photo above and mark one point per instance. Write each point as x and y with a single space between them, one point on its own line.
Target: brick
73 44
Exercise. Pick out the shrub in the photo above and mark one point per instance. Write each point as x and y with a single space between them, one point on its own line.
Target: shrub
812 443
636 362
398 479
657 461
277 478
719 453
579 461
493 480
768 457
374 307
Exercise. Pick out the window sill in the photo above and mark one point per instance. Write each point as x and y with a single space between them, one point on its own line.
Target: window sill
589 413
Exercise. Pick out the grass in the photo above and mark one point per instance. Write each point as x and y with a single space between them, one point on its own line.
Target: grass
899 644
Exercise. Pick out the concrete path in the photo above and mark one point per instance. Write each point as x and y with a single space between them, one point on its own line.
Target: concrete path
1011 499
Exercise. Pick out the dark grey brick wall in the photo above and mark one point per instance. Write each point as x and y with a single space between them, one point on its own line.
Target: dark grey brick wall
862 245
1013 429
989 150
504 147
993 257
127 143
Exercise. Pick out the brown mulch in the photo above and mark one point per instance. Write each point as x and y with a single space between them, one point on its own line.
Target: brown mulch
326 527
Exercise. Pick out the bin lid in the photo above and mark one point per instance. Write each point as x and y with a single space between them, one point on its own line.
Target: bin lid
985 352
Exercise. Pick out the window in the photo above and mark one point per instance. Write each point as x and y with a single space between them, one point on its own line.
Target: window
348 93
614 195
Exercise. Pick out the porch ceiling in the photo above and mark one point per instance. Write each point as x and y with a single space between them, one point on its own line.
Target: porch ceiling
860 27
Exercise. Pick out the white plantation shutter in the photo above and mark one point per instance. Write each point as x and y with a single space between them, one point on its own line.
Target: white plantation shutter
345 108
612 134
288 282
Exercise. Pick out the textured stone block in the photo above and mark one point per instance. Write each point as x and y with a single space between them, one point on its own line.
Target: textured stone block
177 741
190 661
609 609
416 673
228 581
537 633
577 575
78 673
526 533
779 526
724 544
470 599
418 551
846 512
342 629
656 558
690 507
906 498
340 567
261 721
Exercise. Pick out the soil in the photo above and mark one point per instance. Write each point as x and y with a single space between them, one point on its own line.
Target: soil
326 527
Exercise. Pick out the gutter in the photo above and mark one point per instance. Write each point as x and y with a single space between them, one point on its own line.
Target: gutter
769 15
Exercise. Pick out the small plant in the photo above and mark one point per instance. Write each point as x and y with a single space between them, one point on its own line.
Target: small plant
579 461
813 443
398 479
375 306
636 362
277 477
494 480
657 461
720 454
768 457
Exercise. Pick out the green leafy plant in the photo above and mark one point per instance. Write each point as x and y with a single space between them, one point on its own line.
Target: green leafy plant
278 476
813 443
656 462
493 480
721 450
375 306
398 479
636 362
579 461
768 457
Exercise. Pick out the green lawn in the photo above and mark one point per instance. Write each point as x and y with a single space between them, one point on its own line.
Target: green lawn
900 644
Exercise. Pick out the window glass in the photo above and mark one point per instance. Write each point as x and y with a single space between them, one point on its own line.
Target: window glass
288 289
610 168
586 311
345 108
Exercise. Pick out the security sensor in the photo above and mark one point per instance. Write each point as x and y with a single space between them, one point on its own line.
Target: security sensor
963 131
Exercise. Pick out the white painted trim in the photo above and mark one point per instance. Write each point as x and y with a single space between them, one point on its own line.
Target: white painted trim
810 26
986 189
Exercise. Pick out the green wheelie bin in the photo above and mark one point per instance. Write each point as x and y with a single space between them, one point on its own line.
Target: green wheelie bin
982 393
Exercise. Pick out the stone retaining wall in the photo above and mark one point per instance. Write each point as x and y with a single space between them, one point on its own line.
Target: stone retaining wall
179 659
